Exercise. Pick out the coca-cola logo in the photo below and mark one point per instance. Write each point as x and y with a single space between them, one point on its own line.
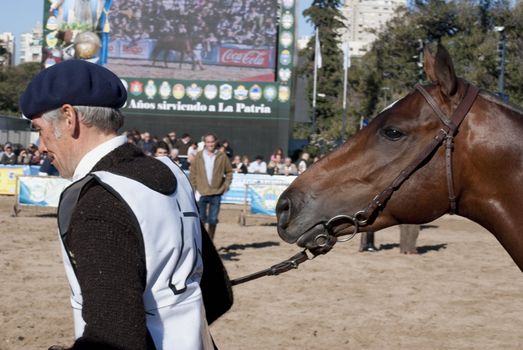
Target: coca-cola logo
245 57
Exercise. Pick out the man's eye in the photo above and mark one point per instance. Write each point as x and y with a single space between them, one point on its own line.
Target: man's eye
392 134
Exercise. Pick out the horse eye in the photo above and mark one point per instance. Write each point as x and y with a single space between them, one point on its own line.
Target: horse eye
392 134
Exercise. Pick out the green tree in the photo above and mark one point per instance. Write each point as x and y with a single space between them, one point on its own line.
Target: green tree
466 28
13 81
327 18
390 68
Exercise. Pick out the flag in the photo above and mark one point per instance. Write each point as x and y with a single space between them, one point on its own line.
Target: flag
346 56
317 49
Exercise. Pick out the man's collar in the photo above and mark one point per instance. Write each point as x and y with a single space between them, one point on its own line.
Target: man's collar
92 157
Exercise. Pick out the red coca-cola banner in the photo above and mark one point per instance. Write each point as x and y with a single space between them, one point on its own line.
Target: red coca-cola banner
259 58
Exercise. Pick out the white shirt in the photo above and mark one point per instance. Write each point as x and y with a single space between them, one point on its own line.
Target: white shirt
92 157
208 160
260 168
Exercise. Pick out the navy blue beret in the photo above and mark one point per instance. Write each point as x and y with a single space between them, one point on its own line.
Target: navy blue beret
76 82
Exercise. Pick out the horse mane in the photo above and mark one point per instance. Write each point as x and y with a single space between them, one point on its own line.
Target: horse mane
495 99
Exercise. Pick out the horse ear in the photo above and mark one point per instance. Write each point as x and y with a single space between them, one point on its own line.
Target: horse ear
444 72
428 64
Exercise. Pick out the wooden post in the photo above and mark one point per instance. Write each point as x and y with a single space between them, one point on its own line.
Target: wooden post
408 236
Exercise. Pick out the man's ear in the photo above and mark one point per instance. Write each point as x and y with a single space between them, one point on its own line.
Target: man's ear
71 120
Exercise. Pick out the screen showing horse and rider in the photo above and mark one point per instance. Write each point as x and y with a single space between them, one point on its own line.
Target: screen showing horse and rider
201 40
200 57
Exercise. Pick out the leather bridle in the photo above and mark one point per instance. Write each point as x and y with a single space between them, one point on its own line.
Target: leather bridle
445 133
325 241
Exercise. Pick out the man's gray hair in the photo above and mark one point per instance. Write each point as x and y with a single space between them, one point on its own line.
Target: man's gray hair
104 118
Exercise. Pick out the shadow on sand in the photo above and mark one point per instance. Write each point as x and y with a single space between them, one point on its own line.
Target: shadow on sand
421 249
231 252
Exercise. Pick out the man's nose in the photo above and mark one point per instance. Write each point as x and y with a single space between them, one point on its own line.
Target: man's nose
41 146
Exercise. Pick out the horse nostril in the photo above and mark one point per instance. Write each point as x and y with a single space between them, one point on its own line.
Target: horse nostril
283 210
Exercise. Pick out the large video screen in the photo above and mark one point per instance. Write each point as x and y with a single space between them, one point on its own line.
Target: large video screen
201 58
201 40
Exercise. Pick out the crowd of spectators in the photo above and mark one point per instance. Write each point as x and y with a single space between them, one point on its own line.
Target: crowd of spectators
181 150
17 154
205 22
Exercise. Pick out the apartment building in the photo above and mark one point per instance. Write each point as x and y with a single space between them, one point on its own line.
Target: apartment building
7 49
363 16
31 45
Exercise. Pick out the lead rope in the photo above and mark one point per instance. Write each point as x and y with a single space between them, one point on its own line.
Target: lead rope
274 270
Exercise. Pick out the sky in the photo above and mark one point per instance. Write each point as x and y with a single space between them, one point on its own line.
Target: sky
20 16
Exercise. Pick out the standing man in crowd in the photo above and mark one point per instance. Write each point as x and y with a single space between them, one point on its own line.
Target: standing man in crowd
171 139
211 176
183 145
147 144
303 163
135 283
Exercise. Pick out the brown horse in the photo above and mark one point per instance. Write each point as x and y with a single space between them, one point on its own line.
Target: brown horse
179 43
445 147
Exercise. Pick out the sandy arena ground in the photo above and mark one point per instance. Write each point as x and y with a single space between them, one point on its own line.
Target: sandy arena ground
139 68
461 292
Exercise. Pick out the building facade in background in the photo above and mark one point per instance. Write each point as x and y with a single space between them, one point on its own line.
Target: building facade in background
31 45
363 16
7 49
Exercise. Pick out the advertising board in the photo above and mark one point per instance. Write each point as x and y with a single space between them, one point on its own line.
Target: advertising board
200 58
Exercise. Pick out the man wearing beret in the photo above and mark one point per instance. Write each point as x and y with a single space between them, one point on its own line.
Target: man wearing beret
129 228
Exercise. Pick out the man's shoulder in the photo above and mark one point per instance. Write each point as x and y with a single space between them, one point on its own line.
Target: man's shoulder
223 158
129 161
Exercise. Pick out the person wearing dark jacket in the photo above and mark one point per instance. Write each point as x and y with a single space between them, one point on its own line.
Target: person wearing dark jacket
134 284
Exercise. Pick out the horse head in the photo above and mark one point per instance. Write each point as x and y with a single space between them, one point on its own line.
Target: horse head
343 192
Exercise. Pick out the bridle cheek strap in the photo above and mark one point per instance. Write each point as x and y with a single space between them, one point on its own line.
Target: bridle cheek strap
446 133
450 129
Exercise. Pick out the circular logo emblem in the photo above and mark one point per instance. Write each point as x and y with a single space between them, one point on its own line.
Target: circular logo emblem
165 90
286 39
285 57
287 20
52 23
269 93
136 88
225 92
241 93
51 40
194 91
210 91
178 91
284 74
49 62
150 89
288 4
255 92
284 93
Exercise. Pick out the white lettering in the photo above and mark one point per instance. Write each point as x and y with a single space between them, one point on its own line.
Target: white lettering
199 107
243 108
141 105
224 108
248 58
178 106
